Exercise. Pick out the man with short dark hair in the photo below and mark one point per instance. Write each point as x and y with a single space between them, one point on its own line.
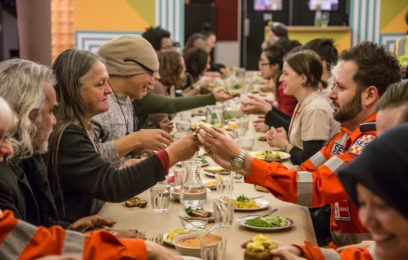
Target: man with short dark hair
365 72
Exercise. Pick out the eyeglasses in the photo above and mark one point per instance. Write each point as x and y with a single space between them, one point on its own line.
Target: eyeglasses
148 70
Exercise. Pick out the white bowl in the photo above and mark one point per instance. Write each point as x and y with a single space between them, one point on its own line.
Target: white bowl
187 250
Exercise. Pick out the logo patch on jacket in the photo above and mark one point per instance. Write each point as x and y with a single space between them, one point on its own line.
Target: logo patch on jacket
361 143
342 211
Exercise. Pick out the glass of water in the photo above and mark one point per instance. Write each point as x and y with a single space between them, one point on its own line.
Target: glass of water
224 211
224 184
160 197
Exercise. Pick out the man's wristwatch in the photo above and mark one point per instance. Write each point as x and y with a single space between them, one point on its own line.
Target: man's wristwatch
237 163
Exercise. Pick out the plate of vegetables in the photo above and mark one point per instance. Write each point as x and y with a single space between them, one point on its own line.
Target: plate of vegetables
268 223
244 203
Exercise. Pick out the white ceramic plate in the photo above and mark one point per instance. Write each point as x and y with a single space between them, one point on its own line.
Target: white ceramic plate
264 204
241 221
283 155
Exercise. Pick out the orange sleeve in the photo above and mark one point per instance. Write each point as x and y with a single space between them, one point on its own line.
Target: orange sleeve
104 245
7 223
314 253
278 179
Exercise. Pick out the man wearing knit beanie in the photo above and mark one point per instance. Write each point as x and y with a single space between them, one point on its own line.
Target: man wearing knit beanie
132 65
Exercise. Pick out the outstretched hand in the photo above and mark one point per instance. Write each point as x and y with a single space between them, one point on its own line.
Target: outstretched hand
91 222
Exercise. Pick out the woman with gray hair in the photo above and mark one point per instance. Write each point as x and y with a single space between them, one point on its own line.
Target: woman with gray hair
86 180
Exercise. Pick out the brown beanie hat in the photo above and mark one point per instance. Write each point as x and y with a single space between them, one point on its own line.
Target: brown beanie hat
129 55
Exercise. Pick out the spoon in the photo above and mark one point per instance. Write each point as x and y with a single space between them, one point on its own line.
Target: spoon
210 229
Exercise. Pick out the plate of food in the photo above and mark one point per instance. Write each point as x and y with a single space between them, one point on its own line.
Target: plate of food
211 184
244 203
270 156
268 223
198 213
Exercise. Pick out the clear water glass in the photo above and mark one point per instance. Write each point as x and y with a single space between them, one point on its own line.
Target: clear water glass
160 197
223 208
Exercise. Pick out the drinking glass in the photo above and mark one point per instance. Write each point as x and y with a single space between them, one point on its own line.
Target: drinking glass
224 211
154 236
180 175
160 197
213 250
224 184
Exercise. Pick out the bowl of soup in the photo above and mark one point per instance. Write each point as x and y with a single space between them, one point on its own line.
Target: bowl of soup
189 244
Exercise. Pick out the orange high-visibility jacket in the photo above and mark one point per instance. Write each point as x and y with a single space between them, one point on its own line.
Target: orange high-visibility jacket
315 183
21 240
318 253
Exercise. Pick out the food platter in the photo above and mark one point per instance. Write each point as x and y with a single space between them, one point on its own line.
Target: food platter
264 204
261 154
242 222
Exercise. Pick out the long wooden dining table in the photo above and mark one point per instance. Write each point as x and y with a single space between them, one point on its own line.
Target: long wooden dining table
144 219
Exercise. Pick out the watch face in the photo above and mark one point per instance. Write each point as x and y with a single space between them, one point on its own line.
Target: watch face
236 165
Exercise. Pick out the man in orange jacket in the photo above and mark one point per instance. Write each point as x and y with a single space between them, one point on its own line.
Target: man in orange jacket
364 72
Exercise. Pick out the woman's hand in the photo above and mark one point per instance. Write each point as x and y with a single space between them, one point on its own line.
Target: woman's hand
277 137
260 126
255 105
91 222
182 149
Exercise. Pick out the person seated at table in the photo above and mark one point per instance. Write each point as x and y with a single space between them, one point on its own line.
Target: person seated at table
328 53
159 38
197 63
312 124
380 199
82 179
128 58
22 240
270 64
358 86
132 63
24 186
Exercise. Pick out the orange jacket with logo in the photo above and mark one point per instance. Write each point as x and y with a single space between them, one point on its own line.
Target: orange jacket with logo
21 240
316 253
315 183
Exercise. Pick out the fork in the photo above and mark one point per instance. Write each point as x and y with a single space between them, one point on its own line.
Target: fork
267 213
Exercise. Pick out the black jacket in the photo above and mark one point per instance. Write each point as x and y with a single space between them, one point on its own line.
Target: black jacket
87 180
24 189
